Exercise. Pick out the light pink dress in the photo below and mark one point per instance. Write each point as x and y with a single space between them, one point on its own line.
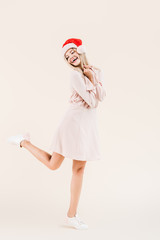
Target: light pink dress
77 136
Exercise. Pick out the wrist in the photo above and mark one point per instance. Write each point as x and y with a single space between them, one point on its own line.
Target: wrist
91 79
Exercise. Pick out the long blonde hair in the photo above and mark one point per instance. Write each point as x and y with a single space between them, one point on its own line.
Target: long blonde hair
83 60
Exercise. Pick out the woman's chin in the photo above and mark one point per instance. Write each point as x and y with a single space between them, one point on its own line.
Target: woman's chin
76 65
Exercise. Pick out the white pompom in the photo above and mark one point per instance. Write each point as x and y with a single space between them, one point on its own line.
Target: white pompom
81 49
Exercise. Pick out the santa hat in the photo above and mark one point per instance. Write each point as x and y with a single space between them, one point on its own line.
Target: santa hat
73 42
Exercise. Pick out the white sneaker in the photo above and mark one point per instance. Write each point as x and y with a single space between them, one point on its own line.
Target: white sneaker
16 140
76 222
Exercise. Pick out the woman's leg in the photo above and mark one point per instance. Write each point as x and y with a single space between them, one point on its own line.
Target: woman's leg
51 161
76 185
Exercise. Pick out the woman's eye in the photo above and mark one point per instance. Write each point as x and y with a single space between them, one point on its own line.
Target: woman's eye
71 53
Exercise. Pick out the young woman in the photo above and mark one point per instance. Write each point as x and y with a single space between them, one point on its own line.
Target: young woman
76 136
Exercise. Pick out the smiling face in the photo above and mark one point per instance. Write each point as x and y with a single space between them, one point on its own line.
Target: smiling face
72 57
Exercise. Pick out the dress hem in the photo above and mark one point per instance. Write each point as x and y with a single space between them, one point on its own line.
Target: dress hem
75 158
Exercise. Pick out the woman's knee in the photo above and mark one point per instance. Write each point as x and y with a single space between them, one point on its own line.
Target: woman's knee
56 161
78 166
54 167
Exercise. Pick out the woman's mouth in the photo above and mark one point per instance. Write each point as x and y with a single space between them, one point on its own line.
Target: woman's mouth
75 59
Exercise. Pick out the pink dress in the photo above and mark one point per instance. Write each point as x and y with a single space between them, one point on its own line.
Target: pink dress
77 136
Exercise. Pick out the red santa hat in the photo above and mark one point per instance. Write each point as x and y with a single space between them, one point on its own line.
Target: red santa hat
73 42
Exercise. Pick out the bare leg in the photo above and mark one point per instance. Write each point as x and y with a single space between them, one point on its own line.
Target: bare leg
76 185
51 161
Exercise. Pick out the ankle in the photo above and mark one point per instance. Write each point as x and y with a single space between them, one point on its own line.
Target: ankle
71 214
23 142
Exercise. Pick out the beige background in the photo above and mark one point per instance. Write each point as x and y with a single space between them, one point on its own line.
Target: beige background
120 196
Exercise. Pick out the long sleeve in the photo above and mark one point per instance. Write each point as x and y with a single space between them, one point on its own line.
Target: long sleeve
86 90
100 89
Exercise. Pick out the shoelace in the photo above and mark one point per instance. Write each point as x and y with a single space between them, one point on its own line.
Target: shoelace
79 219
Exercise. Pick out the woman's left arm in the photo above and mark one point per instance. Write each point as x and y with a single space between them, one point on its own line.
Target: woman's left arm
99 84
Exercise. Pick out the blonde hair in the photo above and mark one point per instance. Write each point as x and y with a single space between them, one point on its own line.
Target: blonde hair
83 60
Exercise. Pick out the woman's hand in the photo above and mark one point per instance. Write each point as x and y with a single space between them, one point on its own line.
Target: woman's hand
87 70
87 66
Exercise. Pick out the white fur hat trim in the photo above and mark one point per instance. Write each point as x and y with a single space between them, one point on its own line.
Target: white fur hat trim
80 49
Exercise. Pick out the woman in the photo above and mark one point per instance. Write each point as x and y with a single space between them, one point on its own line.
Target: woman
76 136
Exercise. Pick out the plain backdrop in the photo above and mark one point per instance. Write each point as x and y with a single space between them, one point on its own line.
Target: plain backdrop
120 197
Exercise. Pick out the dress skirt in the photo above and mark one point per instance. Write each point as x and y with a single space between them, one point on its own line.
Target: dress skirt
76 136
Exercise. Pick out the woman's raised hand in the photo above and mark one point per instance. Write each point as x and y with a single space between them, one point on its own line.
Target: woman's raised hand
87 70
87 66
